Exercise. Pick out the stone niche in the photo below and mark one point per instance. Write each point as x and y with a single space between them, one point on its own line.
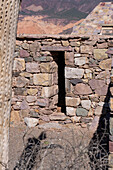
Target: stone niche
61 77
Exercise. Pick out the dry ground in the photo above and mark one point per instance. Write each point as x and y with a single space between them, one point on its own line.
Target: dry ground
56 149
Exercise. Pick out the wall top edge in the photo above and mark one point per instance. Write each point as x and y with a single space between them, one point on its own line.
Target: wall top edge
62 36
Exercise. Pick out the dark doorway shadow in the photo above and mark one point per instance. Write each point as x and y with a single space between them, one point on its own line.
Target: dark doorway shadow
60 61
29 154
99 145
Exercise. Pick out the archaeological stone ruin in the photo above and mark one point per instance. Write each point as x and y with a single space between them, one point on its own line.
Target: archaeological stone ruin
56 78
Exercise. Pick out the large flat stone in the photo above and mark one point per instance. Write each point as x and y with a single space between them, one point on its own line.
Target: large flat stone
86 49
19 64
43 79
34 47
20 81
31 99
81 112
73 72
15 117
49 67
100 54
32 91
105 64
24 53
31 122
102 91
69 58
49 91
32 67
98 110
82 89
42 102
94 83
103 75
55 48
86 104
71 101
70 111
81 61
24 105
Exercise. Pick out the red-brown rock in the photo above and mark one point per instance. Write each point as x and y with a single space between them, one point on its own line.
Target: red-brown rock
82 89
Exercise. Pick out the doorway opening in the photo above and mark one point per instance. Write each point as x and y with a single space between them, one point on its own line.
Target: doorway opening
59 58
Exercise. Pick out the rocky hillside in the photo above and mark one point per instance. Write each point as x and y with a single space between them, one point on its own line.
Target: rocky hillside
53 16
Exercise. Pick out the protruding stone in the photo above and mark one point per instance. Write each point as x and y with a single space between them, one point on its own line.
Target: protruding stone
43 79
32 67
81 112
19 64
100 54
82 89
71 101
31 122
70 111
105 64
86 104
73 72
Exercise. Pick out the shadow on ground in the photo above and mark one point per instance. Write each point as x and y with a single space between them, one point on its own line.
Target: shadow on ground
29 154
99 145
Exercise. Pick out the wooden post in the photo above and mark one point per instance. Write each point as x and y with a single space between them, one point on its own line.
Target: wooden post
9 10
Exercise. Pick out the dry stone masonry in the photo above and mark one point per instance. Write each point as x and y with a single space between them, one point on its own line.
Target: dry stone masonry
41 91
99 21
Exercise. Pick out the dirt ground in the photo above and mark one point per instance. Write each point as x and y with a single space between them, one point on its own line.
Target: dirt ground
69 136
49 149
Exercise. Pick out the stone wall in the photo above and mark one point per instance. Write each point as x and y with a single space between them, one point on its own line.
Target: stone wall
36 79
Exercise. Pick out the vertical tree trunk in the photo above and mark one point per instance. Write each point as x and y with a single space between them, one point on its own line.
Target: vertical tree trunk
8 22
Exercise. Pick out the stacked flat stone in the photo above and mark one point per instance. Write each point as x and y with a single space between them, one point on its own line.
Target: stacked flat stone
35 78
92 25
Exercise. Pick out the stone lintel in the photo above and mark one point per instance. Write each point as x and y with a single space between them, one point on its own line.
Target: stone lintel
56 48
